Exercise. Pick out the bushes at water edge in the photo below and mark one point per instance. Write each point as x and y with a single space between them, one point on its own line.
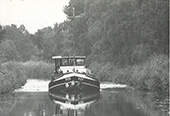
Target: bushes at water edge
38 69
152 76
12 76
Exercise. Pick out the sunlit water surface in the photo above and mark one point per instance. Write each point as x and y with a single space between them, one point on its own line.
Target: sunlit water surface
115 100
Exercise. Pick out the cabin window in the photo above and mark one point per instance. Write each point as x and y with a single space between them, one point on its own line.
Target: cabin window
67 62
64 62
72 62
80 62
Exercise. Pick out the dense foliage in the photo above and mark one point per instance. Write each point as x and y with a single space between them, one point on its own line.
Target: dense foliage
12 76
16 44
122 39
122 32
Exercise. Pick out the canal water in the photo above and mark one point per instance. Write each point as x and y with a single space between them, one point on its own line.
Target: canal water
114 100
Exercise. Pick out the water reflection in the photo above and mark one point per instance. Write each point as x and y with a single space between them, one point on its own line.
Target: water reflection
72 104
27 104
115 102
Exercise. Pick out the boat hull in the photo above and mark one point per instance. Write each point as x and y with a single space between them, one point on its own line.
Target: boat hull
74 82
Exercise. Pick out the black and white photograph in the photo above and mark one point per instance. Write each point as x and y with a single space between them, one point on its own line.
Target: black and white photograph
84 58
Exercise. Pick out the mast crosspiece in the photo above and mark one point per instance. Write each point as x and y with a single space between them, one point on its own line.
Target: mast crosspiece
74 17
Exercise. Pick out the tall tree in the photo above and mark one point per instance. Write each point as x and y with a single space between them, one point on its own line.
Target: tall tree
2 33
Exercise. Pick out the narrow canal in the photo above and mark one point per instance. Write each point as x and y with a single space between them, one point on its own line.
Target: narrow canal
114 100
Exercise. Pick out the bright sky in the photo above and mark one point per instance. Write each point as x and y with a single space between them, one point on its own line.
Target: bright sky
33 14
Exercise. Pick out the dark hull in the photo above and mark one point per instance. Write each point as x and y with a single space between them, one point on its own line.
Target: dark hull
72 83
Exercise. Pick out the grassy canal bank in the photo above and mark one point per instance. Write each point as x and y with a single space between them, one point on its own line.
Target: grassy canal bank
13 75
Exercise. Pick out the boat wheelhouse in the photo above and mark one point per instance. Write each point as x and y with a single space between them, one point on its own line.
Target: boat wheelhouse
68 64
71 75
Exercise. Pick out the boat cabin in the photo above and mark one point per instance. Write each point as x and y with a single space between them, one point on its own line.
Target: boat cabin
66 64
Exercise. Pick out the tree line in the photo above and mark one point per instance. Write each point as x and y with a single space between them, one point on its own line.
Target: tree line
122 32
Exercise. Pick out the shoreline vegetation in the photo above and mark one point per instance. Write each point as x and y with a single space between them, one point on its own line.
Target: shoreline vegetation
15 74
12 77
151 76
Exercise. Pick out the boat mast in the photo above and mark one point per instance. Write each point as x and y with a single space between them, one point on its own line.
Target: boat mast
74 63
72 17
